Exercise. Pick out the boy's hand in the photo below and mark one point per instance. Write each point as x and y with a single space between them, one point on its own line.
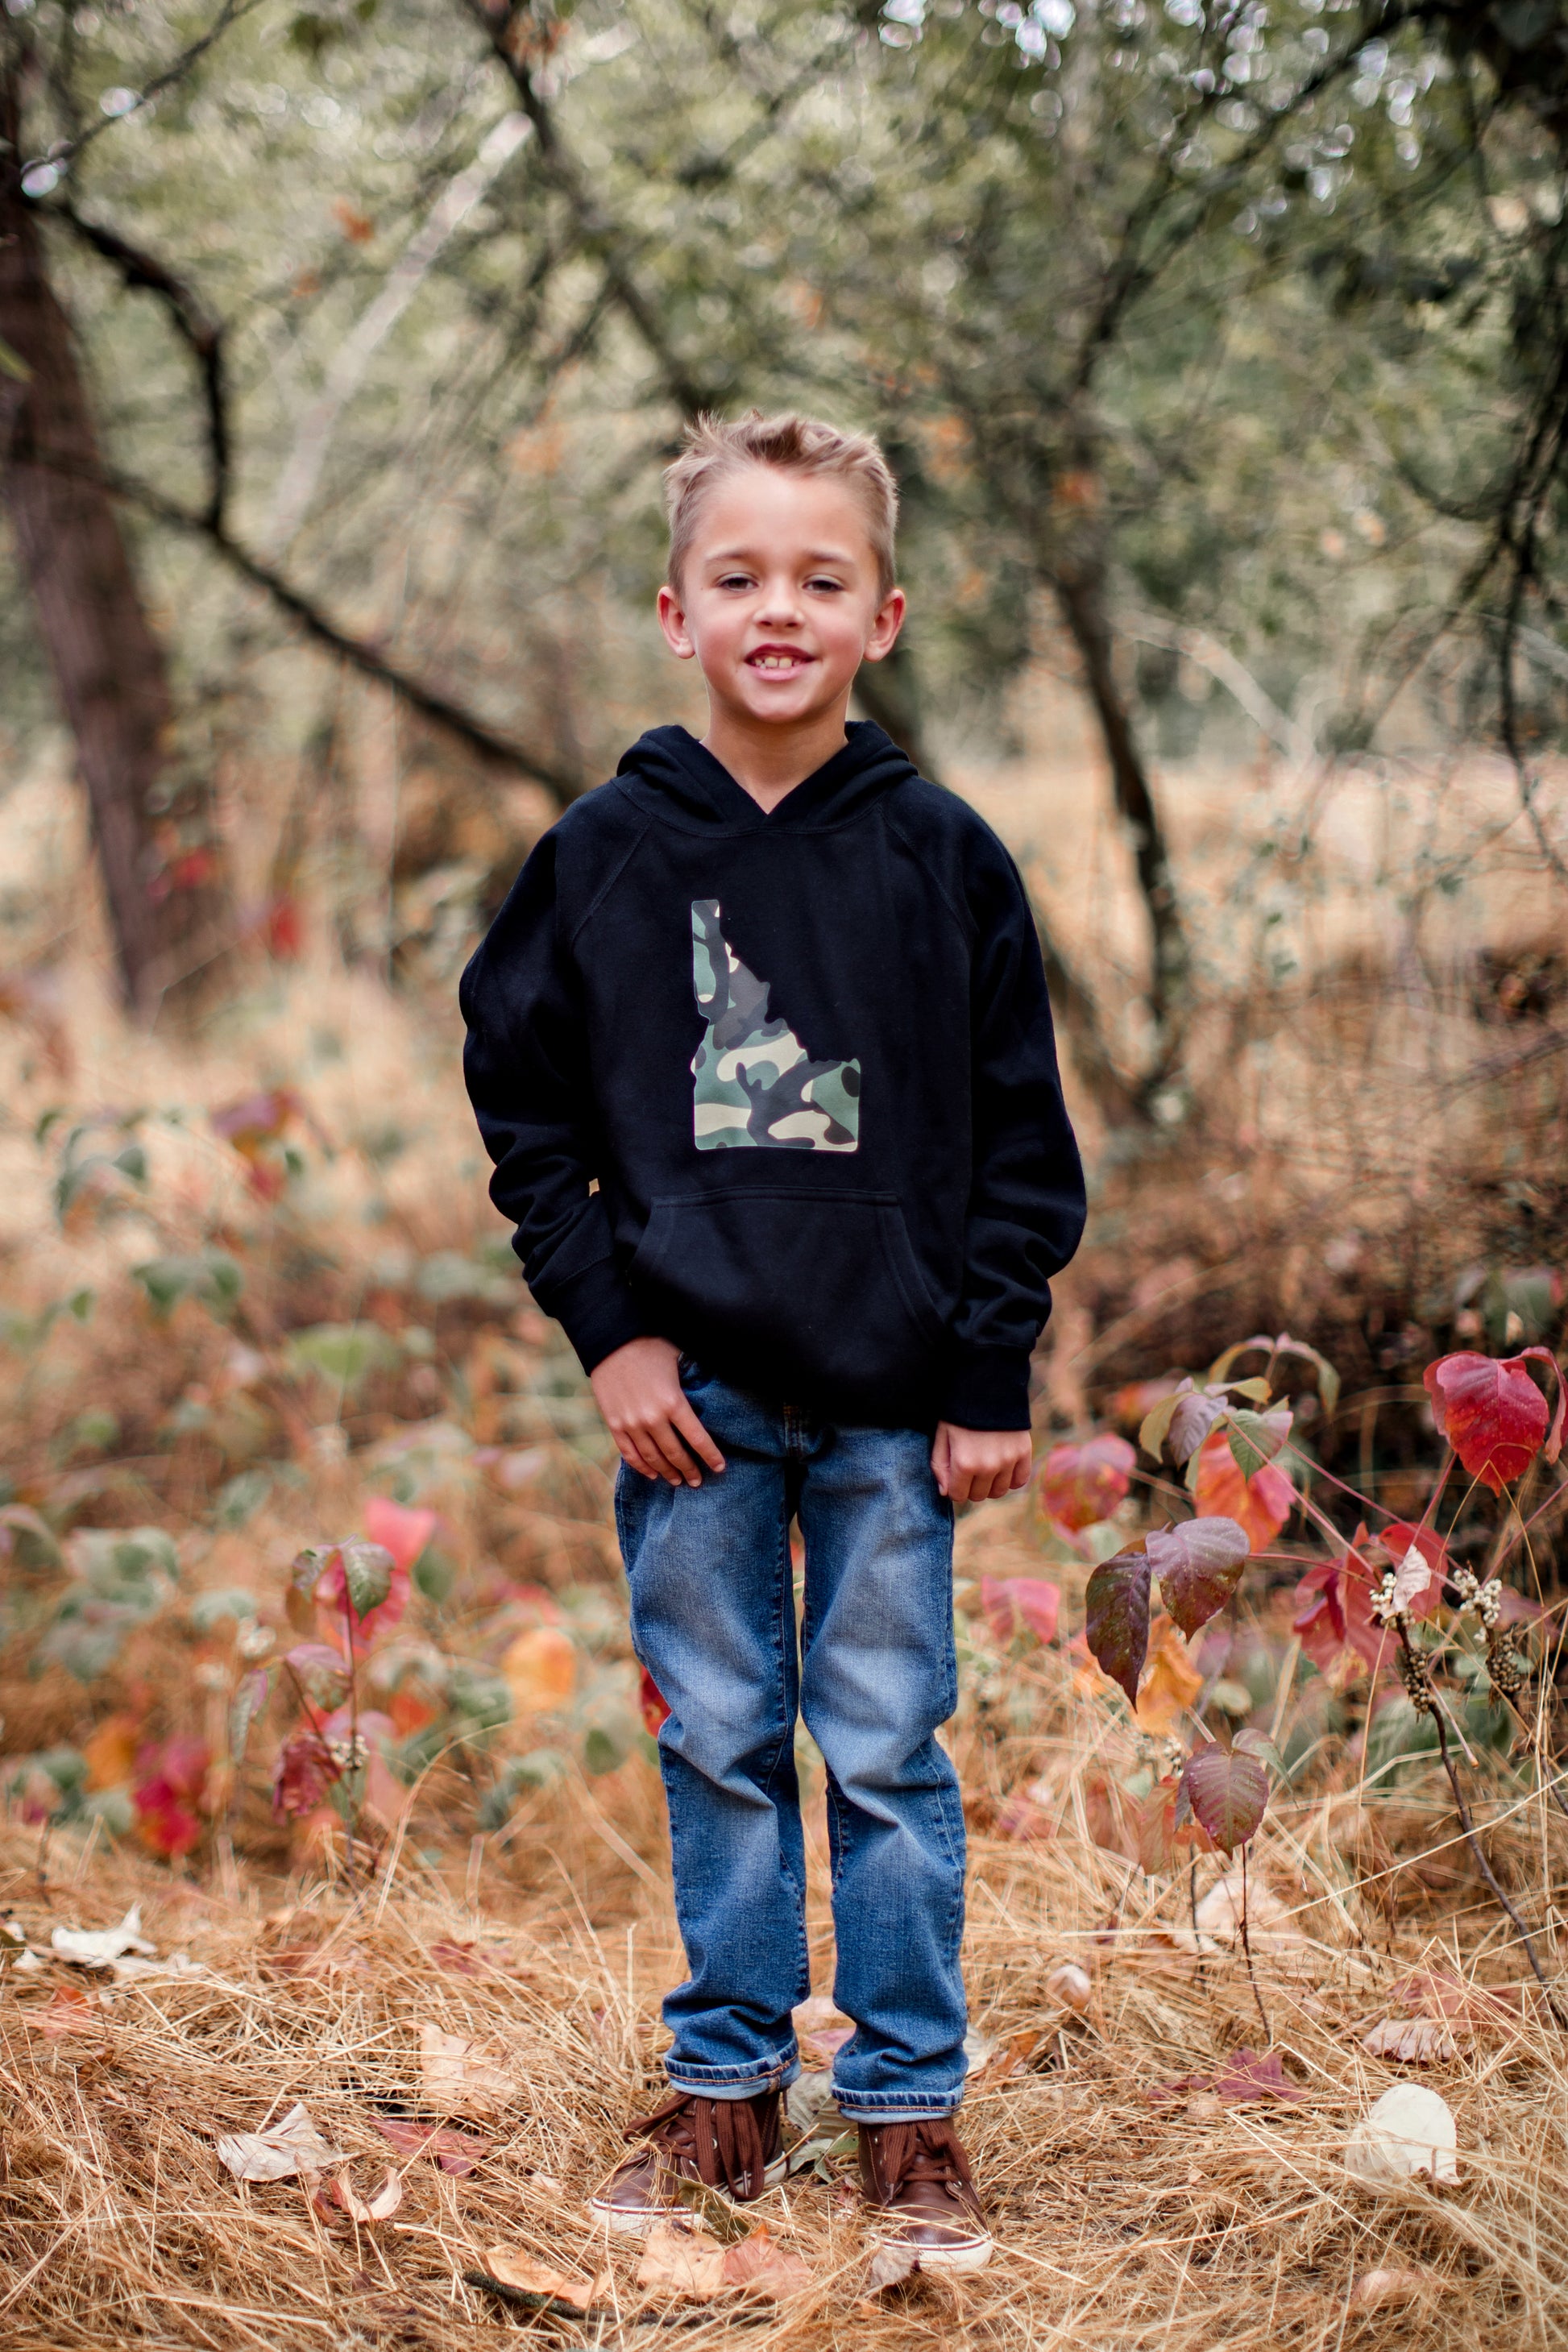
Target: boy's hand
640 1394
980 1466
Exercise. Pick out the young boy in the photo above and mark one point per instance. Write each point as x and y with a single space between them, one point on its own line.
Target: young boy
760 1047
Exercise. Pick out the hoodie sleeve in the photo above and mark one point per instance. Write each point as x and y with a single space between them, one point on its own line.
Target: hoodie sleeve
1026 1202
526 1062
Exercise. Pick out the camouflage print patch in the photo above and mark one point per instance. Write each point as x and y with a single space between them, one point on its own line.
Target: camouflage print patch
755 1082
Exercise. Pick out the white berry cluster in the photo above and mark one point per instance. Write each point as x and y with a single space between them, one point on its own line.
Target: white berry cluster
349 1754
1484 1600
1386 1605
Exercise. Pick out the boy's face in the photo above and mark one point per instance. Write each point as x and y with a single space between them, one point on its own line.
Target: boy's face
780 600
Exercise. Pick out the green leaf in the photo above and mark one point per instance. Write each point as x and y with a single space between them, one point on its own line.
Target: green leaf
210 1276
240 1497
1255 1438
344 1353
367 1574
603 1752
232 1603
299 1597
250 1696
13 365
32 1540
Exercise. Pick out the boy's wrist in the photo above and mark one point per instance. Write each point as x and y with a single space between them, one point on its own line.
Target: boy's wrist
597 1312
986 1388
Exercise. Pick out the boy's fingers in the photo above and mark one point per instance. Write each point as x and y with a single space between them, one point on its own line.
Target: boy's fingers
696 1436
682 1471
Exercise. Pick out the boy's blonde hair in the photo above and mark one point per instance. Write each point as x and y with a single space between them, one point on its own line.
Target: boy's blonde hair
801 444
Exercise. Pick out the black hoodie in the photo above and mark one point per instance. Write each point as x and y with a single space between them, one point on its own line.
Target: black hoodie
806 1060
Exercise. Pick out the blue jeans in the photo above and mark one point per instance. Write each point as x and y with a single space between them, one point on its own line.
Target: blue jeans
713 1620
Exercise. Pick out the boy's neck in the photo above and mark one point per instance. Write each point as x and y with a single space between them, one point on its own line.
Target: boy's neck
768 761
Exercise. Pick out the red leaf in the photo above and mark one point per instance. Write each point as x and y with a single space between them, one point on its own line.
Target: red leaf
1246 2077
1017 1604
1105 1811
164 1822
458 2152
1228 1793
1333 1612
1082 1485
654 1705
305 1770
1493 1414
1117 1618
401 1532
1259 1505
1199 1564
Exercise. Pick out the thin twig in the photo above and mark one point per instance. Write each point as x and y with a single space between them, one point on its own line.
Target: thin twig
1246 1948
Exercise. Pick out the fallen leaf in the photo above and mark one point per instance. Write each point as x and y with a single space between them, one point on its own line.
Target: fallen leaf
1409 2040
95 1947
889 2266
681 2261
1375 2289
381 2207
1268 1921
457 2152
69 2012
1410 2130
285 2149
822 2029
540 1670
536 2278
760 2266
1072 1986
1244 2079
458 2077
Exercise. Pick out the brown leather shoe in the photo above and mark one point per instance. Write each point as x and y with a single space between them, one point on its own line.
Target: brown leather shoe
917 2176
732 2146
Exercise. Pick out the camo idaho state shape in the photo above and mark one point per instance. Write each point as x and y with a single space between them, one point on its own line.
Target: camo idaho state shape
754 1083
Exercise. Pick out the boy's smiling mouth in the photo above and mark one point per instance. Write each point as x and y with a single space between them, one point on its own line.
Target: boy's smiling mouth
778 661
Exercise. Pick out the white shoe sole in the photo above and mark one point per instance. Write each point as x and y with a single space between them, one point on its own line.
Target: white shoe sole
960 2259
635 2221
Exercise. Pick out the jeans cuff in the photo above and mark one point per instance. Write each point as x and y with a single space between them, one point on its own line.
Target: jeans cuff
897 2107
735 2082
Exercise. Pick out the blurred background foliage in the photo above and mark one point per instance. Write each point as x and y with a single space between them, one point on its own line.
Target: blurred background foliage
1207 342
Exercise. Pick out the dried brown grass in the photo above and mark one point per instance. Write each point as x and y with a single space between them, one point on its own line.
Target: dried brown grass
1120 2222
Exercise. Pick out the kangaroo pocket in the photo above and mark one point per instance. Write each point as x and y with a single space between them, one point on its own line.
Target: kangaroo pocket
795 1290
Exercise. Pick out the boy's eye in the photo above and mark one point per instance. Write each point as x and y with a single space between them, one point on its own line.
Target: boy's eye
736 580
822 581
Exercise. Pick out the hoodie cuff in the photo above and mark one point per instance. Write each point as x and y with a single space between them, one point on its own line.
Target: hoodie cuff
987 1388
595 1310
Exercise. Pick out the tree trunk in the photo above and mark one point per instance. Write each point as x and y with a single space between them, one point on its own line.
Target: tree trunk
108 666
1079 583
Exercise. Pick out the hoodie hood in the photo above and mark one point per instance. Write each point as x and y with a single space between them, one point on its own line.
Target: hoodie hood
669 773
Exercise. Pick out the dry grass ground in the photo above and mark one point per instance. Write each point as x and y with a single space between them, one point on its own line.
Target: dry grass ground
1121 2221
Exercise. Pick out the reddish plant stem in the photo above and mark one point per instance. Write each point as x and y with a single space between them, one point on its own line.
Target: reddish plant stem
1246 1948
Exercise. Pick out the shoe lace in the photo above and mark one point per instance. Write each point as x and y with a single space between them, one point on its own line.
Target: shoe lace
927 2152
721 2137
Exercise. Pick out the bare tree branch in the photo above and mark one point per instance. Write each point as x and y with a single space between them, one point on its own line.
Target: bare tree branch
143 273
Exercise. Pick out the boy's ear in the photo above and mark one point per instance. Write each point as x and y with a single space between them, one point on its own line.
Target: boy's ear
672 621
885 628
